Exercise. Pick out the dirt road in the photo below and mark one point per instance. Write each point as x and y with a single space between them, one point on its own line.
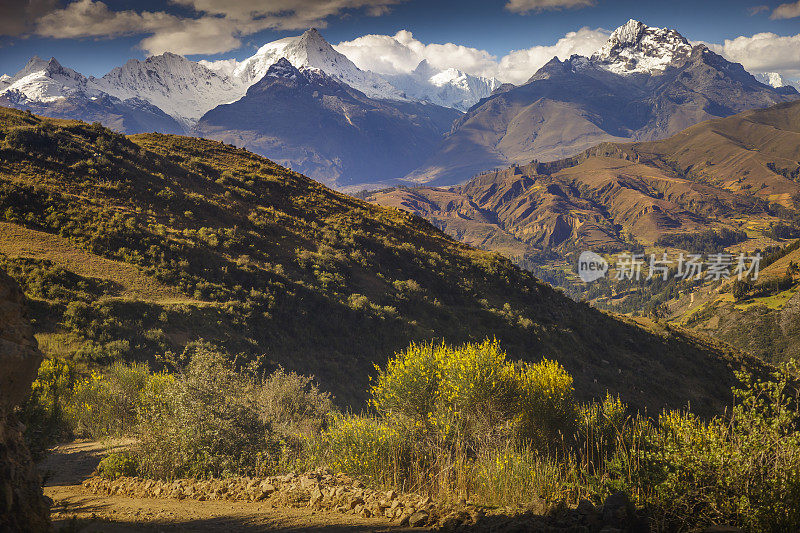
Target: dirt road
76 509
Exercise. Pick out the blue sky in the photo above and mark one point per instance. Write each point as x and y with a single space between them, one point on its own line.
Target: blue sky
112 32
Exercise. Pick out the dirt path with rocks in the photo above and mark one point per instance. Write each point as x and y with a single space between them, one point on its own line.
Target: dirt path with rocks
77 509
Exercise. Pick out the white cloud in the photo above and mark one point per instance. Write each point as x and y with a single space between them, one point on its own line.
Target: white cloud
217 25
764 52
786 11
526 6
519 65
401 53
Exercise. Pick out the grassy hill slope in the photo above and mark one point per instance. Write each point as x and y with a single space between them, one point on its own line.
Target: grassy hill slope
195 239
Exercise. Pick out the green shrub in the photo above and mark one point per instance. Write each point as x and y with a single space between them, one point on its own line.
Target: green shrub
293 404
31 139
742 470
120 464
206 422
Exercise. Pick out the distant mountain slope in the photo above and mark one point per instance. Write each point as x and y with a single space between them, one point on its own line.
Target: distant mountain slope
721 173
756 152
324 128
277 266
761 317
645 83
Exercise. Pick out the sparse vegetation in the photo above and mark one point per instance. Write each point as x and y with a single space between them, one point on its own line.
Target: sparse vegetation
287 277
135 246
465 422
708 242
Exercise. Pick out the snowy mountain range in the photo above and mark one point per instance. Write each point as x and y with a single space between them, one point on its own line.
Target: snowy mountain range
316 124
186 90
183 89
643 83
48 88
448 88
309 50
774 79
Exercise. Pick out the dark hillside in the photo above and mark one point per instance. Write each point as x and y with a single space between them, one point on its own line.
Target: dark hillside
132 246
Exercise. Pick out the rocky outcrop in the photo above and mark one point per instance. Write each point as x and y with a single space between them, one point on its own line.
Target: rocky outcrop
22 505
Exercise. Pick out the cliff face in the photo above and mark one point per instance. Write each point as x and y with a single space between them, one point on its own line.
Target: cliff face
22 506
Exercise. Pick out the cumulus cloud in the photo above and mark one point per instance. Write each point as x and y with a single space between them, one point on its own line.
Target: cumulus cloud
215 26
764 52
786 11
401 53
527 6
519 65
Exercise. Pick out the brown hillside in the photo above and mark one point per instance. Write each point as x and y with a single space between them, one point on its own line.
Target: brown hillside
297 274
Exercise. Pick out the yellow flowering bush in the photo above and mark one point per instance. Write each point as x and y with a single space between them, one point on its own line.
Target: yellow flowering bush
105 402
44 413
472 391
478 389
546 404
409 384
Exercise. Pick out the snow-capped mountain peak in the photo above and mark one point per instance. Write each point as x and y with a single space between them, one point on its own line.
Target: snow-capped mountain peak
45 81
309 50
51 67
181 88
424 69
448 88
637 48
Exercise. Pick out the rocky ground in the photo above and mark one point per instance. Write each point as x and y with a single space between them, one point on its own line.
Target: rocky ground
77 507
315 501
